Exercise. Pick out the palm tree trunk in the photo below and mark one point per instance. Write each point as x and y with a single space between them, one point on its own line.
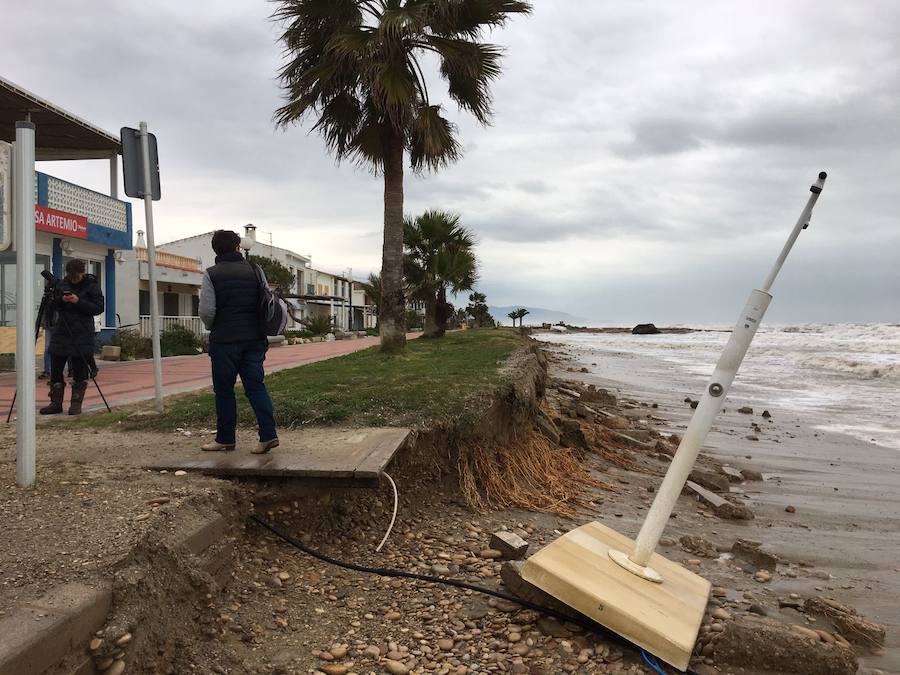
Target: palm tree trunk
441 313
431 327
392 309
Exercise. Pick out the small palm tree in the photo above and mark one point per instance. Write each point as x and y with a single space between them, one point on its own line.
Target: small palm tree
353 67
438 258
521 313
513 315
372 288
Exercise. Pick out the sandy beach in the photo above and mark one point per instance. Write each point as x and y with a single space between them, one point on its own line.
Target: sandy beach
846 492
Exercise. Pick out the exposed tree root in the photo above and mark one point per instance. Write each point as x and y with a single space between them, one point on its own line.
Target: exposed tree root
605 445
528 473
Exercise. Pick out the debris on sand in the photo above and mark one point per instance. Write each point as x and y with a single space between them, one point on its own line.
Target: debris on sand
855 628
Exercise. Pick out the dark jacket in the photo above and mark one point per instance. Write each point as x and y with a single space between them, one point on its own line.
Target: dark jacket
73 323
229 300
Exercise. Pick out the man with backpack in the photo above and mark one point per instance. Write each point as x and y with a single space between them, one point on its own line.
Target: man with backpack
230 299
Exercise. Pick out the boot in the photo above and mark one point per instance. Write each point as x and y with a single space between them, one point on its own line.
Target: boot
78 390
57 391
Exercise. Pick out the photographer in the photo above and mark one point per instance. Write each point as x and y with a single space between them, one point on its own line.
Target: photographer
77 299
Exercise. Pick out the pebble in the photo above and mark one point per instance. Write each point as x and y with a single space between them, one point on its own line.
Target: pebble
334 669
124 640
372 651
117 668
95 644
181 473
491 554
338 651
393 616
395 667
720 613
790 509
445 645
762 576
758 610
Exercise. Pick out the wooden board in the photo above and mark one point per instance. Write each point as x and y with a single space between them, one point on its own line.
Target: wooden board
662 618
351 456
707 496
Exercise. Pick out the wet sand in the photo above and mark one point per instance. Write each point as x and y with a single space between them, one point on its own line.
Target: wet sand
846 492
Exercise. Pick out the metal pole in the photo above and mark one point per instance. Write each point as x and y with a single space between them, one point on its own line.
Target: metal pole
23 186
114 176
707 410
350 296
151 267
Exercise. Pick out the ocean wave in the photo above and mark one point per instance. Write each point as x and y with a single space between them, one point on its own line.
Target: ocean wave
861 369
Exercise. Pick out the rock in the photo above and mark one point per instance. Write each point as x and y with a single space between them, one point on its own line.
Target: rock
790 509
445 645
571 435
616 422
709 480
751 474
553 628
393 616
847 621
338 651
694 404
123 640
758 610
511 576
751 552
372 651
181 472
721 614
491 554
693 543
746 410
117 668
766 414
645 329
95 644
395 667
762 576
334 669
511 546
763 644
546 427
441 570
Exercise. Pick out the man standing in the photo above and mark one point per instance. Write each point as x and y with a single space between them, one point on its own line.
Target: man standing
229 308
77 301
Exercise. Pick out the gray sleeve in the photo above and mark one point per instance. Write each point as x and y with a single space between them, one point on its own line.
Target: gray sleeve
207 302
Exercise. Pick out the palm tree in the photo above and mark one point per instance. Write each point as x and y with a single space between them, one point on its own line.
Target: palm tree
438 258
353 67
521 313
513 315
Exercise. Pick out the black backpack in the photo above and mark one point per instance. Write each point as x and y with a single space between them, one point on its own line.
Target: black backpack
273 311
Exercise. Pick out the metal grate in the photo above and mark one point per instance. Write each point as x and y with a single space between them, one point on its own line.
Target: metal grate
96 207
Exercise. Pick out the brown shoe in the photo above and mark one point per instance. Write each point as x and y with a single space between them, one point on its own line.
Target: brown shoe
264 446
215 446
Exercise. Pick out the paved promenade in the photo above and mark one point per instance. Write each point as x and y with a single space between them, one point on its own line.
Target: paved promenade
131 381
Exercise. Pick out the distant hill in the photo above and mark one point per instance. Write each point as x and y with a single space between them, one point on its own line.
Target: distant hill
537 315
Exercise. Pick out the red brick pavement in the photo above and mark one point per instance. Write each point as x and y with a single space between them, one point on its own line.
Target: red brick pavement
130 381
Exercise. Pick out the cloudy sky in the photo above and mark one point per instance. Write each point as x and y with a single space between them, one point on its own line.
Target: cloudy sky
645 163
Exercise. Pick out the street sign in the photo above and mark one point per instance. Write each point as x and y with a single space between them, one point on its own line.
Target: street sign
133 164
5 195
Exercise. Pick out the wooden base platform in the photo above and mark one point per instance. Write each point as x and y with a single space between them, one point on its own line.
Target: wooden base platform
663 618
340 457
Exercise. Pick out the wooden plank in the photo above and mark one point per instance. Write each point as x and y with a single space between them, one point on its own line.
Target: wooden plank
707 496
662 618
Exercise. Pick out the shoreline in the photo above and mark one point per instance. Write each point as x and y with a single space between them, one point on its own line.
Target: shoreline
844 490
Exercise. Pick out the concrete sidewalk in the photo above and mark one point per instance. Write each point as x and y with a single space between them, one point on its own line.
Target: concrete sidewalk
130 381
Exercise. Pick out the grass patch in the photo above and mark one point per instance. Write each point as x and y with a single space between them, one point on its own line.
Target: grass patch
428 380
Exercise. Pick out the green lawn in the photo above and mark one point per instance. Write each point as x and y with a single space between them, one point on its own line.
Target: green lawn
430 379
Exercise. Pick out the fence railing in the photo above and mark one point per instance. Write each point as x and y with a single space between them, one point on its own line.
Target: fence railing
166 259
192 323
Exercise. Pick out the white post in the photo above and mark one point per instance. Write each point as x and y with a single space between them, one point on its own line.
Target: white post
23 204
707 410
151 268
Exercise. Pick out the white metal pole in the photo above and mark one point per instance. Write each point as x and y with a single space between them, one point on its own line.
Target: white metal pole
151 267
707 410
23 186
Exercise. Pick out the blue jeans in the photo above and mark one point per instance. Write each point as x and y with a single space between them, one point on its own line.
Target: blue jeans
230 359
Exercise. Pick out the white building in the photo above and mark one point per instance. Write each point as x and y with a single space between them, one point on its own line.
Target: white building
312 293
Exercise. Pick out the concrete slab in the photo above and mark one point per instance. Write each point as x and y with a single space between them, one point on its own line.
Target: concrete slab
352 457
662 618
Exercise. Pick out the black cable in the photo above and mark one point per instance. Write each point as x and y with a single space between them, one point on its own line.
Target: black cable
584 622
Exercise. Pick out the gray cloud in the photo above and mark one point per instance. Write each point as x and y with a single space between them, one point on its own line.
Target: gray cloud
637 148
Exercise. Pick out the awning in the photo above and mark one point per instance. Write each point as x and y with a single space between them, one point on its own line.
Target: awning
58 134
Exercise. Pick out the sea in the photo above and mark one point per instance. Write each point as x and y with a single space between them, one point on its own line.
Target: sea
841 378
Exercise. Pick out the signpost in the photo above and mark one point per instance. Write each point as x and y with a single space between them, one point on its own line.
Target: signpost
5 196
140 172
23 186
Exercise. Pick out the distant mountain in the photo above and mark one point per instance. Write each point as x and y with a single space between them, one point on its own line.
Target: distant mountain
537 315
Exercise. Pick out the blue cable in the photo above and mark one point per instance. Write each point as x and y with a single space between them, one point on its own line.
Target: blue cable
653 663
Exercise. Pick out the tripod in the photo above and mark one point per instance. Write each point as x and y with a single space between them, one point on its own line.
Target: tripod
91 369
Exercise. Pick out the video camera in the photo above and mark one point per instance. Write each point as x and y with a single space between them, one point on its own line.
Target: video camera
55 286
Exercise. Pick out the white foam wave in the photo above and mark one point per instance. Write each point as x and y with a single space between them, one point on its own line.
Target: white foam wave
850 366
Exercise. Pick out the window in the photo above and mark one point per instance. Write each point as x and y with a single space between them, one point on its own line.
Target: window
144 303
195 305
170 304
8 285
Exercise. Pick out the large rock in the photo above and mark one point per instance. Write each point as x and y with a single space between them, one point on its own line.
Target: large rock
751 552
511 576
763 644
571 435
645 329
711 481
511 545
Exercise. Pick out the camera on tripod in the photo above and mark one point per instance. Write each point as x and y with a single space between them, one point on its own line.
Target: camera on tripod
55 286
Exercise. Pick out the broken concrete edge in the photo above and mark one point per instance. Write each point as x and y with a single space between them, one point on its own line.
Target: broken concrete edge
42 633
